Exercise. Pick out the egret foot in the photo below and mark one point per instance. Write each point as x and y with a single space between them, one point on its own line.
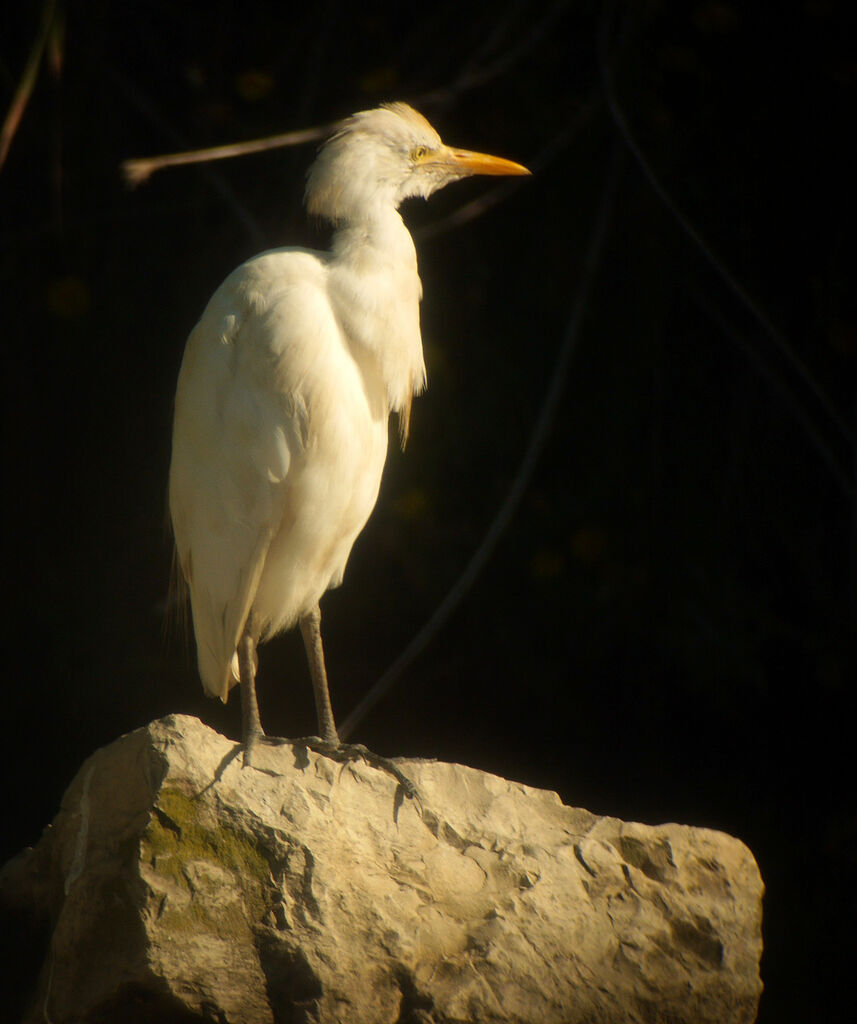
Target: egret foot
248 746
345 752
329 743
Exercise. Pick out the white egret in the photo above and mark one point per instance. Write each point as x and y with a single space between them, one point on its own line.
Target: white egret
285 389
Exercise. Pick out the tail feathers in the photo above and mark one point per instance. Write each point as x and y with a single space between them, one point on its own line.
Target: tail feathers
219 673
216 671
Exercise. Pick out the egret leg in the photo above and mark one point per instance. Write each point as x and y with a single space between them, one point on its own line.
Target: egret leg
329 743
251 724
311 632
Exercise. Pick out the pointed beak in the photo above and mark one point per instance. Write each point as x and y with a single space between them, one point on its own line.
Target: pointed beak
466 162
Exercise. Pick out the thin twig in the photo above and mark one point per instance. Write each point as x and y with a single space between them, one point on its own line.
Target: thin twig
538 437
474 77
714 260
28 79
779 384
139 169
499 193
218 182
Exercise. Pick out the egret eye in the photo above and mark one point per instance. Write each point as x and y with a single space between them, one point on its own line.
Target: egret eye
419 152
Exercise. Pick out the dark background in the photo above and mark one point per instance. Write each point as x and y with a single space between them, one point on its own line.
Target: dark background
666 629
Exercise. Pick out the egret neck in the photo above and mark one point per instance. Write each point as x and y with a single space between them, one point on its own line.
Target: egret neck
375 291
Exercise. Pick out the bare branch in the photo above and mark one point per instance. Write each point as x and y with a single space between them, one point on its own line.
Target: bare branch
785 347
499 193
139 169
474 76
29 76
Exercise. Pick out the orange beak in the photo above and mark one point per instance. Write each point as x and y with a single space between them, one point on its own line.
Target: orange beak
478 163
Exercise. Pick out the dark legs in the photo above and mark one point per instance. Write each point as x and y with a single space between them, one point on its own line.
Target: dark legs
311 632
251 725
328 742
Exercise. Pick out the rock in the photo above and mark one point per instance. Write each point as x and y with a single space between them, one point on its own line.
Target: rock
183 887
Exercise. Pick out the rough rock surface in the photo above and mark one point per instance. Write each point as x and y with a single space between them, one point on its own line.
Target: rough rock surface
182 887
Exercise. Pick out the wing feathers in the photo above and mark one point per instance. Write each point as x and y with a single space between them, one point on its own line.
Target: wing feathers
234 437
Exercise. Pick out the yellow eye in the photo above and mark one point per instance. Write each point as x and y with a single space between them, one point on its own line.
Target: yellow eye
419 152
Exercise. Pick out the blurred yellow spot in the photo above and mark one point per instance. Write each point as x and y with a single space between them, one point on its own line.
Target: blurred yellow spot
716 17
545 564
843 337
253 85
69 297
195 75
412 504
588 544
379 80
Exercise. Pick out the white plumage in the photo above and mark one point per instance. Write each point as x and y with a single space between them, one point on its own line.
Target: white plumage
287 382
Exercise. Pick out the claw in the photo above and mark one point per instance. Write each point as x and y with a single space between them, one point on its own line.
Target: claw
345 752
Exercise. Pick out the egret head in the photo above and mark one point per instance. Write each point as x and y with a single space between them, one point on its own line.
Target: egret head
379 157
